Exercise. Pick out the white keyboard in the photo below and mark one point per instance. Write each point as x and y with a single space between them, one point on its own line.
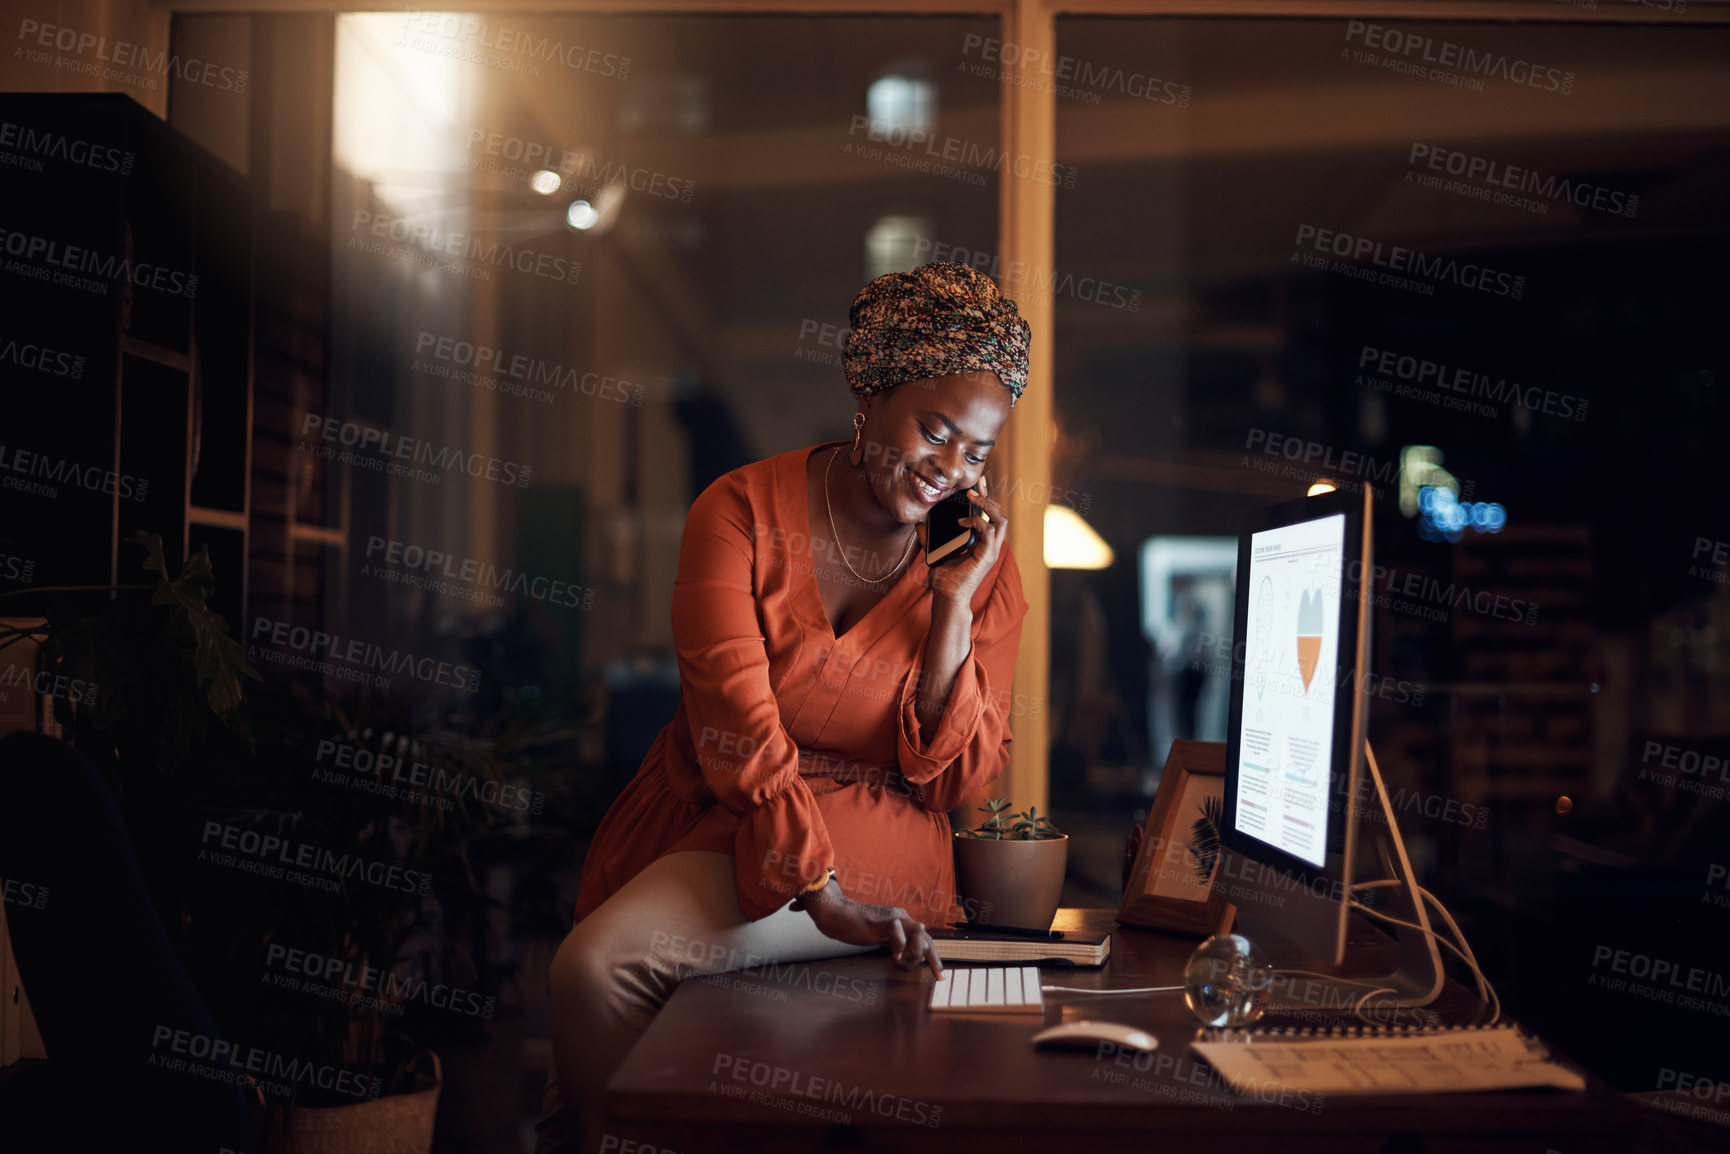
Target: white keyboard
989 990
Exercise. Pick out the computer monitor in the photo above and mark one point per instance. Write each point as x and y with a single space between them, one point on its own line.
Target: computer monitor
1296 732
1297 750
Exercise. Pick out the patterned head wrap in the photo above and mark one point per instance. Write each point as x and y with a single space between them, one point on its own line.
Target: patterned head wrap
938 320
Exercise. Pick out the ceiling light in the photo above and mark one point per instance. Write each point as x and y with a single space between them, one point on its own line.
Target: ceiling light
1071 543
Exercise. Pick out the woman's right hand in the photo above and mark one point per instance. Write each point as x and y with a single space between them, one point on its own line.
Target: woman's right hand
864 924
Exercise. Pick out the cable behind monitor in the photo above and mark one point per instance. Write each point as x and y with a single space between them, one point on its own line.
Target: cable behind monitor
1418 978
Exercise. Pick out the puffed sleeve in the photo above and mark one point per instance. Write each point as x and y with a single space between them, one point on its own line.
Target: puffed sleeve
969 747
750 764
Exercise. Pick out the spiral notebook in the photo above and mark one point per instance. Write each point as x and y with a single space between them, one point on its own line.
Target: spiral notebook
1380 1060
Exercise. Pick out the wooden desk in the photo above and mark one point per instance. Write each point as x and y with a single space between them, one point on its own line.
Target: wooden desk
903 1078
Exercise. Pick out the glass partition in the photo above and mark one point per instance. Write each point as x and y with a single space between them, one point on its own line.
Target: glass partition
601 261
1476 267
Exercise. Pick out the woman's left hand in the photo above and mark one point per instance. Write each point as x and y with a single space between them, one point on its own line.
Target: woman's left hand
958 580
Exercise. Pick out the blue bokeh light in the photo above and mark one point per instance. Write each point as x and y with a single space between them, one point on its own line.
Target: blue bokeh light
1443 516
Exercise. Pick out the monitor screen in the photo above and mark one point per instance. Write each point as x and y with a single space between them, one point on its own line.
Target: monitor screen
1286 745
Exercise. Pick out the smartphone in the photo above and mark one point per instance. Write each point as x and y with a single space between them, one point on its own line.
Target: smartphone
945 538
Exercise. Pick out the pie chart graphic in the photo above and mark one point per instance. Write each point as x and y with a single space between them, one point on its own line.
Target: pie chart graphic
1309 635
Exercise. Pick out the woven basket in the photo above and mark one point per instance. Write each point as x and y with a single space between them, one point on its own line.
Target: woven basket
398 1124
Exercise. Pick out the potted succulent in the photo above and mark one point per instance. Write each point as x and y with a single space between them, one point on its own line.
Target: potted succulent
1010 869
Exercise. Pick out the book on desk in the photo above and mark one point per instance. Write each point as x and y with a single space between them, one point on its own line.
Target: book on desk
1028 948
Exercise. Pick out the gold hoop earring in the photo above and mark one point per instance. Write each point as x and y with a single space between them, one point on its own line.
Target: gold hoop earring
853 454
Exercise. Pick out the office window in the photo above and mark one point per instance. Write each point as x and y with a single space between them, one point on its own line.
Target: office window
620 268
1488 291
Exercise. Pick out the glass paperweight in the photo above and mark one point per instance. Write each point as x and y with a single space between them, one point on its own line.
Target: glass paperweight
1228 981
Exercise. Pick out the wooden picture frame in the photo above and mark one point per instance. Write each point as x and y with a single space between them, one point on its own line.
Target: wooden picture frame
1167 889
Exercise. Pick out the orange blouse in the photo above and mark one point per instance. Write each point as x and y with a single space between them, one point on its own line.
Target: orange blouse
792 749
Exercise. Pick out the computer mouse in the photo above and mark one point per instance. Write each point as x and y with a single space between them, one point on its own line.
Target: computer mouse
1082 1035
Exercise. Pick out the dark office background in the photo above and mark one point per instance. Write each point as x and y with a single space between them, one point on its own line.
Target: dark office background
734 205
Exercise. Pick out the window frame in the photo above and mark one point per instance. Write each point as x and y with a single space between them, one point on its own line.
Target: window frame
1027 210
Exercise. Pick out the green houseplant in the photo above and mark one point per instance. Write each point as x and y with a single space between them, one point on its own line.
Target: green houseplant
1009 869
402 969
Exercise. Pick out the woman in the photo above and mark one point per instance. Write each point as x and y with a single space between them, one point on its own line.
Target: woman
839 696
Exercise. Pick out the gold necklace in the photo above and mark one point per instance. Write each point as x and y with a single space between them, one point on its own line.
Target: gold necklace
833 532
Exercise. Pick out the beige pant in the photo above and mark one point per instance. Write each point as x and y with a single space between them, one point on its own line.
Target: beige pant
677 918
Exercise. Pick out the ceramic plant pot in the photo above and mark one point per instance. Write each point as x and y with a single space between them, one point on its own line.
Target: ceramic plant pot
1010 883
